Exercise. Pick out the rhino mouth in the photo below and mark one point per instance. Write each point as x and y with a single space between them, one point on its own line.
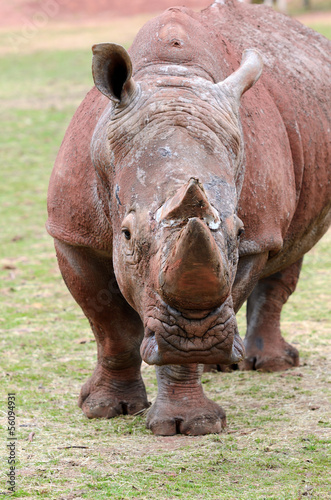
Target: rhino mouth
179 337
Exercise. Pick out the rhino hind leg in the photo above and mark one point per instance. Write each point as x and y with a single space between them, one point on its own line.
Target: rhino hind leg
266 349
116 386
181 406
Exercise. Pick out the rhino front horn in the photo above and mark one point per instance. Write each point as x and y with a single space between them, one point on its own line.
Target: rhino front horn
193 276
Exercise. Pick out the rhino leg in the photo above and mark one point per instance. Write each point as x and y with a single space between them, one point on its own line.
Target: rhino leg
116 386
266 349
181 406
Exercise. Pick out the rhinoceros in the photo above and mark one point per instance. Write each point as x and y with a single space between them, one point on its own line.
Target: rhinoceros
175 198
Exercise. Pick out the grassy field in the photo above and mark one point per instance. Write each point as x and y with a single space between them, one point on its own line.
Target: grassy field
278 439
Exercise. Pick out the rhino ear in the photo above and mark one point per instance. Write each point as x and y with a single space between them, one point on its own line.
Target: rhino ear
246 75
112 72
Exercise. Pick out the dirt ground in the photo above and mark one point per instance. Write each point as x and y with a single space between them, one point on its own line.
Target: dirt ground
19 13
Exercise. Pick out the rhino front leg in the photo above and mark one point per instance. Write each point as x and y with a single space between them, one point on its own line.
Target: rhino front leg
181 406
116 386
266 349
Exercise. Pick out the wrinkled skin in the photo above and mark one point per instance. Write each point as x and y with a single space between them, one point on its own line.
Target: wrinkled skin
176 196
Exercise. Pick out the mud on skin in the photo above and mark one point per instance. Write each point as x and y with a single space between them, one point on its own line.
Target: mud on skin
192 182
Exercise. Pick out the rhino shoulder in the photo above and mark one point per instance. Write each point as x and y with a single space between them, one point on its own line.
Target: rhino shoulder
76 211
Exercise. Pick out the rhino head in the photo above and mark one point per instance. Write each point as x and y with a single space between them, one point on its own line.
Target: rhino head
168 151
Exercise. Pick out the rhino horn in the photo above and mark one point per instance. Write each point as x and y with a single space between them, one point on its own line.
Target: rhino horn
112 72
246 75
193 276
189 201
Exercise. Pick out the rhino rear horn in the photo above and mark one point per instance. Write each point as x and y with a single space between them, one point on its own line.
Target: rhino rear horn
189 201
112 72
246 75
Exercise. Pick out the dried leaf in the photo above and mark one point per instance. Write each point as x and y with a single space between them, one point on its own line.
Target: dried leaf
9 266
18 237
83 341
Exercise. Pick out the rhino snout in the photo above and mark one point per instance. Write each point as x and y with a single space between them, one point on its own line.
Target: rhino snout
172 338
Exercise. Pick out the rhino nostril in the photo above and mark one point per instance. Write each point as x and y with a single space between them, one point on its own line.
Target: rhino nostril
241 231
149 332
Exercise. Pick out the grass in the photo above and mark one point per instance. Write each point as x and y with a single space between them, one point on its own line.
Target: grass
324 29
297 7
278 439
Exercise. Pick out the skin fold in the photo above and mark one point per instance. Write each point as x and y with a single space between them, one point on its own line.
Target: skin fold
194 176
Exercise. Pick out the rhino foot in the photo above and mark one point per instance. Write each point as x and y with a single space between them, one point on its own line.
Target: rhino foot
181 406
195 419
274 359
105 397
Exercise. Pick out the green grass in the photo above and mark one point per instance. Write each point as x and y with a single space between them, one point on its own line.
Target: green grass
296 7
324 29
278 439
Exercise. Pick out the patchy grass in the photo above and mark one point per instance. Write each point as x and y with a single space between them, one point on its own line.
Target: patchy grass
278 439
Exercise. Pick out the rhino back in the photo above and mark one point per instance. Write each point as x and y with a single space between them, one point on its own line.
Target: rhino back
285 117
297 76
180 37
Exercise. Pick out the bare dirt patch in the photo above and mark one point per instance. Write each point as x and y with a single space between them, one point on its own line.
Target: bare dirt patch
27 14
29 26
18 12
71 36
311 18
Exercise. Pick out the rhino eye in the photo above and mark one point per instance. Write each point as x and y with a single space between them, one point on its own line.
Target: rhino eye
127 234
